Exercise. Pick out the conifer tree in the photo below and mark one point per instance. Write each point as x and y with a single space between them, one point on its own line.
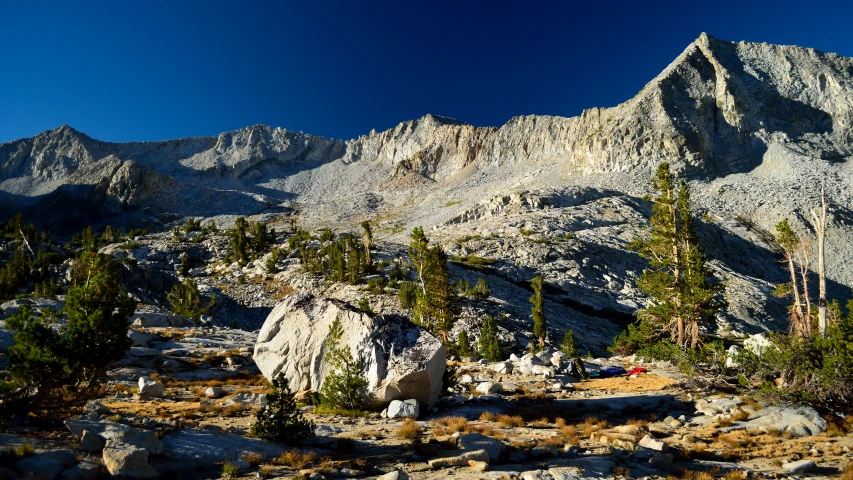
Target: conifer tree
540 328
490 343
441 296
435 305
698 294
345 386
678 280
186 301
790 243
280 420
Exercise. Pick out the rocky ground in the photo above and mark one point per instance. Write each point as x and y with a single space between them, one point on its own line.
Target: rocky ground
181 405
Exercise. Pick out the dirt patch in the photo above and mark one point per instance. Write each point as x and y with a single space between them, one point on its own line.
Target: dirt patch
643 383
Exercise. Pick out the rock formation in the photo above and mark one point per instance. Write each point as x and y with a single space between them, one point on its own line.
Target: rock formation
402 361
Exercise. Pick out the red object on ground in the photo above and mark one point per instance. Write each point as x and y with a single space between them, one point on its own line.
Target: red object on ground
636 371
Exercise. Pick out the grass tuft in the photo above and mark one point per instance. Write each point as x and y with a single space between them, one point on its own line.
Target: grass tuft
295 459
511 421
410 430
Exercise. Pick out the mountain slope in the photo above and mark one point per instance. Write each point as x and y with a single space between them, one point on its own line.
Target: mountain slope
755 127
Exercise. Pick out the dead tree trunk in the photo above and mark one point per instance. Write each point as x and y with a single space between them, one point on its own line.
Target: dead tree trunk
803 260
819 224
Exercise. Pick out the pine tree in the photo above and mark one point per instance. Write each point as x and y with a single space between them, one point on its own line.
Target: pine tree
463 345
407 295
540 328
186 301
698 294
568 346
678 280
435 306
441 296
280 419
344 386
663 277
490 343
790 244
48 359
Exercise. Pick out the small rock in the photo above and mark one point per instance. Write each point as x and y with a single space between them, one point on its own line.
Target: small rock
800 466
39 466
460 460
477 441
149 388
662 461
571 450
652 443
395 475
486 388
543 451
214 392
351 473
92 442
85 470
128 461
466 379
502 367
405 409
478 466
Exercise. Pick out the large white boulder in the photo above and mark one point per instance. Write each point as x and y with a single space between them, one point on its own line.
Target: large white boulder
402 360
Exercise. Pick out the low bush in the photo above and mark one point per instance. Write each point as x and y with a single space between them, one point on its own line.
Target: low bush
814 369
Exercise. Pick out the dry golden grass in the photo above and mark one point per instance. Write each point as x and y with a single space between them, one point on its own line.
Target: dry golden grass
648 383
266 470
253 458
847 474
569 434
489 417
694 450
241 380
410 430
591 425
543 422
450 425
295 459
511 421
280 291
556 440
691 475
327 465
725 422
560 422
740 415
359 463
637 422
539 395
737 439
735 475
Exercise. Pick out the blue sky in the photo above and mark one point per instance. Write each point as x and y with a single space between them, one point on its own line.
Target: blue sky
125 71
